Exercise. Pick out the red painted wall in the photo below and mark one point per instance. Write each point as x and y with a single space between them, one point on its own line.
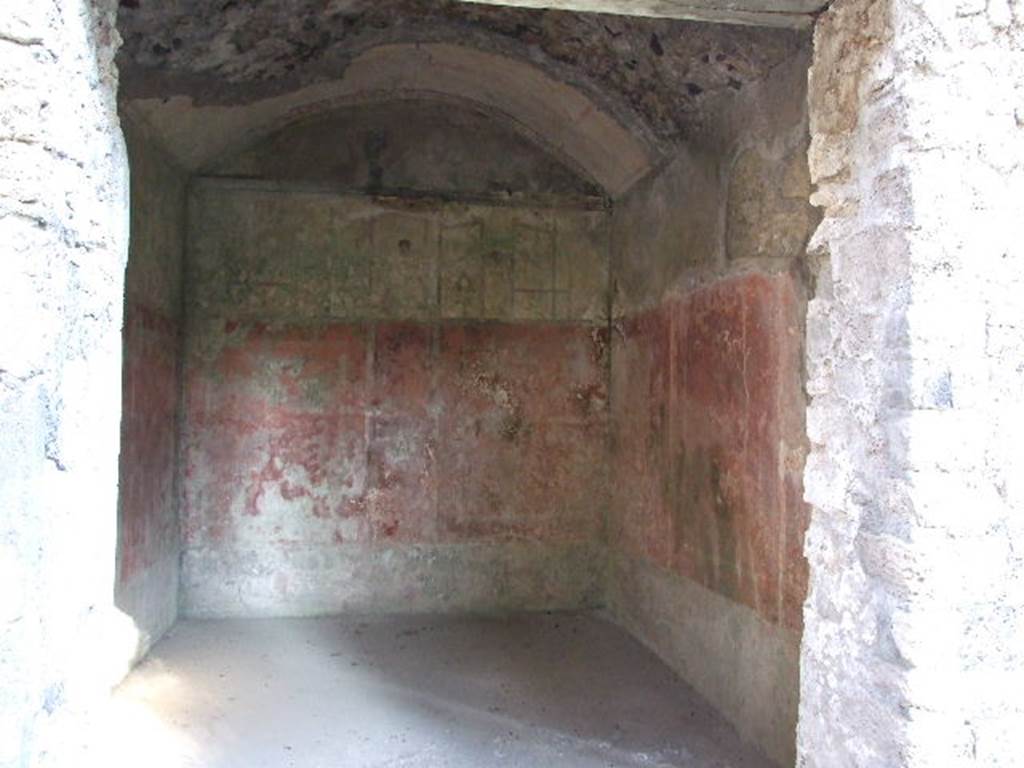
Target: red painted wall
147 526
708 440
319 434
149 546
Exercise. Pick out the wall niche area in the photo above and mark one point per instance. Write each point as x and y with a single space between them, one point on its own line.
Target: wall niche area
394 400
463 385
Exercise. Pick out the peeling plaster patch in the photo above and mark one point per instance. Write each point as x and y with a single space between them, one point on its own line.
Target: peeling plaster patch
394 429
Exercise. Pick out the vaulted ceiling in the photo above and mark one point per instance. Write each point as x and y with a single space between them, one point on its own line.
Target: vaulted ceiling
608 91
767 13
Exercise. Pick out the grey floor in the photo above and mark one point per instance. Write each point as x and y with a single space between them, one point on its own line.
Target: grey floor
528 690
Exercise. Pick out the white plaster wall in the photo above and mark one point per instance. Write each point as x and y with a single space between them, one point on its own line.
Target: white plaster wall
912 649
63 228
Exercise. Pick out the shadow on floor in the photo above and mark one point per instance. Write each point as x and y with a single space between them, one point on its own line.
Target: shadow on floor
423 691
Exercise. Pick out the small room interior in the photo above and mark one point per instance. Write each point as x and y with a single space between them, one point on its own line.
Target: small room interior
464 405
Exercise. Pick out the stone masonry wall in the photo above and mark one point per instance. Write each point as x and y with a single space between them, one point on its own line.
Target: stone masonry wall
148 541
707 519
911 648
63 230
392 405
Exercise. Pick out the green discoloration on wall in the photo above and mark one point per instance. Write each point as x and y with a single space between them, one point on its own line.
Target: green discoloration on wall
268 252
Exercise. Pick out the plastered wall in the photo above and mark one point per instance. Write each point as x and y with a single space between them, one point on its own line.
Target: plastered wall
369 147
392 405
707 515
408 388
407 402
148 545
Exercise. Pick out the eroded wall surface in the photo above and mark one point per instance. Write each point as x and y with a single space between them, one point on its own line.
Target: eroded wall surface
708 520
63 230
913 624
392 405
148 541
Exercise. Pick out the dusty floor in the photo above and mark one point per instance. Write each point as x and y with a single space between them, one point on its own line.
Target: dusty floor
534 690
